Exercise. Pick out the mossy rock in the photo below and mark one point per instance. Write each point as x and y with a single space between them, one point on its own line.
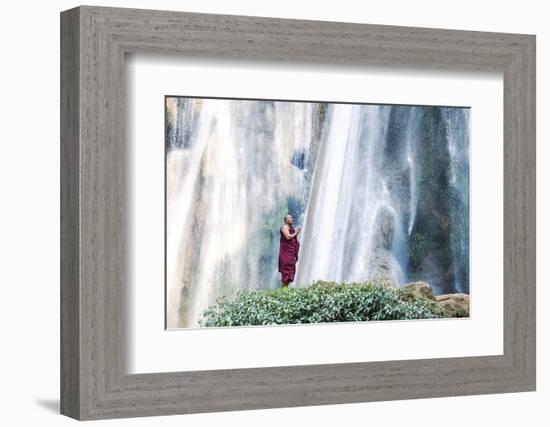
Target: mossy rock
454 305
417 290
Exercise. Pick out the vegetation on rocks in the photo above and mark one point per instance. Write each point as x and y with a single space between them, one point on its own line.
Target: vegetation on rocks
324 302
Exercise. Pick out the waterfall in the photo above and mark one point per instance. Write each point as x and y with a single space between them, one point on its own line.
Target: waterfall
229 179
381 191
355 219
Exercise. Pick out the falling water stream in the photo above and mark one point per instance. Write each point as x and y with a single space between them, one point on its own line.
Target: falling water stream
381 191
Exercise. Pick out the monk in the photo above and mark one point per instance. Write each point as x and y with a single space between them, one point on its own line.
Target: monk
288 251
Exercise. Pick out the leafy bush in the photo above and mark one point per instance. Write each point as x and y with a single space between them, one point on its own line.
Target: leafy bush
321 302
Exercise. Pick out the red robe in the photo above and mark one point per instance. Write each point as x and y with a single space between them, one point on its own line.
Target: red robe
288 256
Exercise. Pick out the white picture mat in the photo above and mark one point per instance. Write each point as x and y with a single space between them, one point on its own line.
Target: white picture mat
151 348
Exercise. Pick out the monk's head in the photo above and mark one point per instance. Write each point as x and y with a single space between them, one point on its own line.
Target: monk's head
288 219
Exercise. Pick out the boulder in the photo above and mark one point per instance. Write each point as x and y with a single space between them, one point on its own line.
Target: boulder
458 303
454 305
418 289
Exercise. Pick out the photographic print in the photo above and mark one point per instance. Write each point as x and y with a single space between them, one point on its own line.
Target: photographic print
284 212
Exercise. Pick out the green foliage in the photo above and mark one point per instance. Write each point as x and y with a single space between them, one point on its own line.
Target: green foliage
321 302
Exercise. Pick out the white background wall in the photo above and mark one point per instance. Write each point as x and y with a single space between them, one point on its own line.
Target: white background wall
29 214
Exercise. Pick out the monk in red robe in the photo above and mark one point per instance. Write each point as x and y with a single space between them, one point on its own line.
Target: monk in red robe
288 251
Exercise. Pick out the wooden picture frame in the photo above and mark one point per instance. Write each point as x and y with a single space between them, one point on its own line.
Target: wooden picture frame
94 41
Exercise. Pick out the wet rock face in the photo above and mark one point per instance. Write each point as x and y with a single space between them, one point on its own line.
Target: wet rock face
383 265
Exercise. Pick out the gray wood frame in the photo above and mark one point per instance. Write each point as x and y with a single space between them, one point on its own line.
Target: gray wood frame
94 382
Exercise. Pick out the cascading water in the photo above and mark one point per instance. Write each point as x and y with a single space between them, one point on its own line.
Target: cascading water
230 176
348 232
382 191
